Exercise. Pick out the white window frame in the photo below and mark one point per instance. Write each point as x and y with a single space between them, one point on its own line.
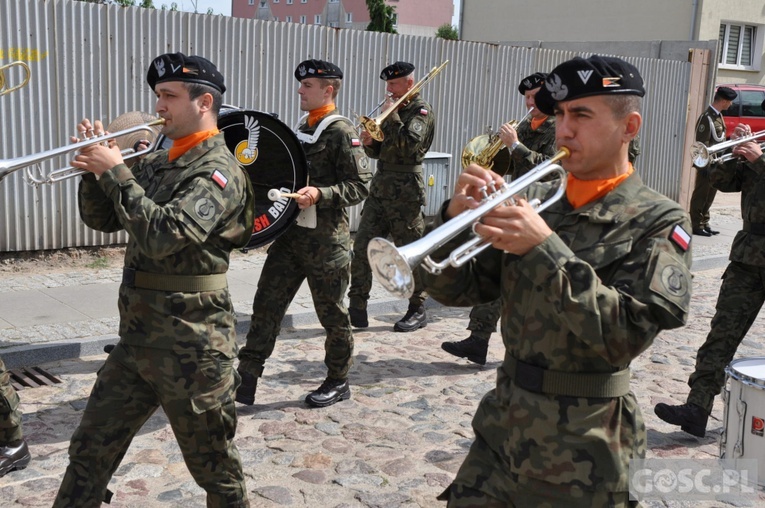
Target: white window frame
276 1
349 17
288 19
758 31
289 2
250 2
302 19
333 1
317 19
303 1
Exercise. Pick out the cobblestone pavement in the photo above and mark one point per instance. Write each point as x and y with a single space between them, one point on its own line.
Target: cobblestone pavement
397 442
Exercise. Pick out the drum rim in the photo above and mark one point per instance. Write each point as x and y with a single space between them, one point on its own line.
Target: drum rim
745 378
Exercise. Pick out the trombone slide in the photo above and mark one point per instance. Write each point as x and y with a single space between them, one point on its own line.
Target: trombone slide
4 89
393 267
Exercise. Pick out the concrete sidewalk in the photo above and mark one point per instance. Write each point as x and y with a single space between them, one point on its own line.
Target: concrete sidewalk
47 317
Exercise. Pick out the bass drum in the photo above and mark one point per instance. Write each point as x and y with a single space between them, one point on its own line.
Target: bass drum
273 158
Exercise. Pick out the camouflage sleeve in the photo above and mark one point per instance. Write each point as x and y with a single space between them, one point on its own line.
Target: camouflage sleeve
650 289
351 167
373 150
408 137
524 159
197 206
727 176
96 209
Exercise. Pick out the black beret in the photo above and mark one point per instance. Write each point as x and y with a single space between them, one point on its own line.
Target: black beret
179 67
317 69
531 82
726 93
579 77
397 70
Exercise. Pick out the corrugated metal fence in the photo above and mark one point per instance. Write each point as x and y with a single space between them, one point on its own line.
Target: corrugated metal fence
90 60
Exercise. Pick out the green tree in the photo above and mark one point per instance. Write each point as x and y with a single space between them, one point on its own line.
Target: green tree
447 31
382 17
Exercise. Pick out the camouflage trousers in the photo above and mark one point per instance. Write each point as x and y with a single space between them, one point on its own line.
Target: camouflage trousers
283 272
484 481
484 318
194 388
404 223
742 294
10 416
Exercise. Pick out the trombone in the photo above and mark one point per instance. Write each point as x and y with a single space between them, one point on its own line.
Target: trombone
3 83
372 125
393 267
8 166
702 155
483 149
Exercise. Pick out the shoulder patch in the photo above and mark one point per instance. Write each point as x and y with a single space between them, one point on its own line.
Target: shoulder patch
355 142
680 237
220 179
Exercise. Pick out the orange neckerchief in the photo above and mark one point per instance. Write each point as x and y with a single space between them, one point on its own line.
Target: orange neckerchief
581 192
536 122
317 114
183 145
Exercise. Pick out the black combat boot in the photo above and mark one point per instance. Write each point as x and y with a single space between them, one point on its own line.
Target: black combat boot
14 456
358 317
473 348
245 394
414 319
691 418
330 391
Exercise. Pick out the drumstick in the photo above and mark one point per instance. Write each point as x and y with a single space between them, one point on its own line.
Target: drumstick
276 195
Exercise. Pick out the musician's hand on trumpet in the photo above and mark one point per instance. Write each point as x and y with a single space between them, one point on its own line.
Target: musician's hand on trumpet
96 158
508 134
751 150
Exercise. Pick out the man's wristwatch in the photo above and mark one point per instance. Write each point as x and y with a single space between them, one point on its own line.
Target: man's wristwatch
513 146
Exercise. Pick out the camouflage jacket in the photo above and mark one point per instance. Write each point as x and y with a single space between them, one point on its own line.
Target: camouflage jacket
588 299
535 147
408 134
340 170
710 127
745 177
183 218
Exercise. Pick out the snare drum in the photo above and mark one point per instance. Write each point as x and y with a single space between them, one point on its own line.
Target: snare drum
744 422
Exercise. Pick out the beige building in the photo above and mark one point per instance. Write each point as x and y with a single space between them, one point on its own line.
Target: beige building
630 27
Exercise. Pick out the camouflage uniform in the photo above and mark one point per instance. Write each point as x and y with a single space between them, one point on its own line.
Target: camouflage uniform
396 194
577 309
177 343
742 292
537 145
340 170
710 129
10 415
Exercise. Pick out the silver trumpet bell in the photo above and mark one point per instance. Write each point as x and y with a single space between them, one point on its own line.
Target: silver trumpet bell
393 267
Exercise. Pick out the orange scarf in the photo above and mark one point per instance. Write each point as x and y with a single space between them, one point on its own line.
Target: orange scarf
536 122
581 192
183 145
317 114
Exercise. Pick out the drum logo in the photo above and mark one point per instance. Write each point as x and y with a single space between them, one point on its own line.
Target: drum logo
758 425
246 152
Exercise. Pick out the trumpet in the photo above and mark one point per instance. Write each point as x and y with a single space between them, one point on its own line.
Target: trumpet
8 166
393 267
372 125
484 149
3 84
702 155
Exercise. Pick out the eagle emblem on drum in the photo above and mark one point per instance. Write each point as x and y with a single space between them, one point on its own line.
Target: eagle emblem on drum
247 151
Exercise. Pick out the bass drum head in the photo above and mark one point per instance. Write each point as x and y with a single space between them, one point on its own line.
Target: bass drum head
273 158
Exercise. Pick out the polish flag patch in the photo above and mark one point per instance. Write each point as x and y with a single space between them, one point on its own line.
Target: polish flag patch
220 179
355 142
680 237
423 112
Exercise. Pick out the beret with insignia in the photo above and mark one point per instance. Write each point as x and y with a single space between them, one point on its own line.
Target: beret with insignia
317 69
726 93
179 67
531 82
580 77
396 70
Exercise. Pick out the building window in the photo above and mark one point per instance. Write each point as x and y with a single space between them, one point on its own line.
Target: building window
276 1
302 19
288 19
349 17
263 3
303 1
289 2
317 19
395 19
251 2
333 1
276 18
738 45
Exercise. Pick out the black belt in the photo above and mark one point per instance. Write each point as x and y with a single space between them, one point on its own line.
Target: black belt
173 283
400 168
570 384
755 228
